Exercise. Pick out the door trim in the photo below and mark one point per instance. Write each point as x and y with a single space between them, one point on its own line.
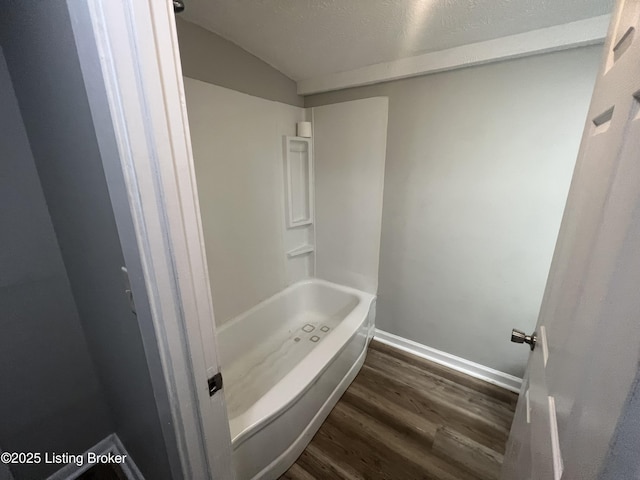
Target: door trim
139 65
495 377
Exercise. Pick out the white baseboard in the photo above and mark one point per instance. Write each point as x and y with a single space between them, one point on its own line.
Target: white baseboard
110 444
467 367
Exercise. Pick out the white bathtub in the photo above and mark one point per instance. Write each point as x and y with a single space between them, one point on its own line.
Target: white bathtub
285 363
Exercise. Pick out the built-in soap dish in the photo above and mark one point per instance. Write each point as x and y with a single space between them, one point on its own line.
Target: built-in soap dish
302 250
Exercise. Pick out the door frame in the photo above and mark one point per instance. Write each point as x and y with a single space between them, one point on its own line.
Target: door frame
129 49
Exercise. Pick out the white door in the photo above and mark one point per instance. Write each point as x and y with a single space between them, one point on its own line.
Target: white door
581 377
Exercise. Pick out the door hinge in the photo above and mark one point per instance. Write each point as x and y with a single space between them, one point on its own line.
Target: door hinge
215 384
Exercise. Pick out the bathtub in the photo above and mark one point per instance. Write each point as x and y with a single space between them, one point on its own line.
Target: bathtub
285 364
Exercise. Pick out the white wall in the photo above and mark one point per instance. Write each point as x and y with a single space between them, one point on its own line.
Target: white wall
350 141
237 147
478 167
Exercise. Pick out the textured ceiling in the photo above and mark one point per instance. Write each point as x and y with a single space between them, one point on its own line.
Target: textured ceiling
307 38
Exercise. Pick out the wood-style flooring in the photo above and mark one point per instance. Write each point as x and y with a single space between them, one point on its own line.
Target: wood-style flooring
404 417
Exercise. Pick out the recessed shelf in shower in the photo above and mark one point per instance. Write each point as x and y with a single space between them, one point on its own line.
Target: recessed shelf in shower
298 181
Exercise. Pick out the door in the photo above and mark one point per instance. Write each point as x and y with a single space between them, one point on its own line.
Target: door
581 377
128 52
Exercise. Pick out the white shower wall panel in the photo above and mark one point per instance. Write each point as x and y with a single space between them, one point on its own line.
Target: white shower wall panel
350 143
237 146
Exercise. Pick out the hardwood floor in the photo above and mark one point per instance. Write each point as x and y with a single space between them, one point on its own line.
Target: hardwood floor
404 417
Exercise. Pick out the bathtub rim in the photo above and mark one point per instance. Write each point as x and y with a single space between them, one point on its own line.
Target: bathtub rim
307 281
261 413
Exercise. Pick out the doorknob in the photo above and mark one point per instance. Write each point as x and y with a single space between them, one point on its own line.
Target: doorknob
520 337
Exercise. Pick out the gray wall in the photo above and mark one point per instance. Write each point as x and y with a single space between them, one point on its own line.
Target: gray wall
478 167
51 399
210 58
42 58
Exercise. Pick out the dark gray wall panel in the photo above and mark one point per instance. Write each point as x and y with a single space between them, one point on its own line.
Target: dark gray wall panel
43 62
50 398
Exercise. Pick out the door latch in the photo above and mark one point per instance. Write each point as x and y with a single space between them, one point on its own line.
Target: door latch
215 384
